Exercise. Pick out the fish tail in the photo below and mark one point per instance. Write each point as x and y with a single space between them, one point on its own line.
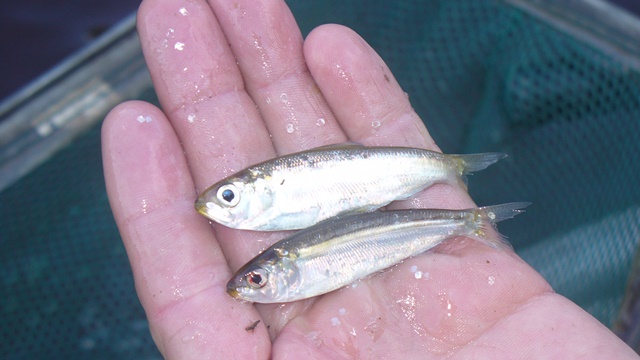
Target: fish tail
485 223
470 163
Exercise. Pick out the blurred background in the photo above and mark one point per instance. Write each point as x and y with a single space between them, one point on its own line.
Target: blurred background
555 84
38 34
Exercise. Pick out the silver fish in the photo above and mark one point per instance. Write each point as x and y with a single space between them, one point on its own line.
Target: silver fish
301 189
341 250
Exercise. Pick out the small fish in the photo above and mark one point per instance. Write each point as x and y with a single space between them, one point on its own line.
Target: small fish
341 250
302 189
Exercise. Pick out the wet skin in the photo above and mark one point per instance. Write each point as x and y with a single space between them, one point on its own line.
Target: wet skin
219 116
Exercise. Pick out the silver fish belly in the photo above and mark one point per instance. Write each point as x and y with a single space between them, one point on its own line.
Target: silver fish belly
334 253
301 189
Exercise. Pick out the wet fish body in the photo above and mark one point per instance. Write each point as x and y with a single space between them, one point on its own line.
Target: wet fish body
301 189
336 252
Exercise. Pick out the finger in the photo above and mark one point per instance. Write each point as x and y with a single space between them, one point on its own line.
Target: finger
201 89
202 92
369 103
267 44
180 272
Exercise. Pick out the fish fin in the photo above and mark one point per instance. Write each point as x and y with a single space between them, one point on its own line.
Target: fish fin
497 213
488 216
470 163
339 146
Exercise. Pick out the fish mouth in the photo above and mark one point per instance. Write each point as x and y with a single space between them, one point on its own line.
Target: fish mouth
202 208
233 291
201 205
209 210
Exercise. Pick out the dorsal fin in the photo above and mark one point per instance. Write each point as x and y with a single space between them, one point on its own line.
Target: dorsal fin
339 146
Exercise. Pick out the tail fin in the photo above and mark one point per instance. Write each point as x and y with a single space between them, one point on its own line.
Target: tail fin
488 216
470 163
497 213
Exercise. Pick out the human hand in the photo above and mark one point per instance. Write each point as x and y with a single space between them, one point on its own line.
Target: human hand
462 300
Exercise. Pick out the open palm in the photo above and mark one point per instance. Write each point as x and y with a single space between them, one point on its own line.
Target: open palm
238 86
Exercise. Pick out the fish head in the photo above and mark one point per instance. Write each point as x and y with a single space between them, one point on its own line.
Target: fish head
271 277
239 202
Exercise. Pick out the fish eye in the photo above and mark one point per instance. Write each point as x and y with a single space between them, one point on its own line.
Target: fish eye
256 278
228 195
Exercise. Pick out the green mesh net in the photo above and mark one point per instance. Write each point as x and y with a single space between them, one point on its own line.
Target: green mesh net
484 76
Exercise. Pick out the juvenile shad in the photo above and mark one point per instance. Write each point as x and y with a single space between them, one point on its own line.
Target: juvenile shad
341 250
302 189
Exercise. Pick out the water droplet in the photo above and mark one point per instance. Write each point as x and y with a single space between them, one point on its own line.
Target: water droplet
268 100
179 46
408 305
342 311
169 35
374 328
290 128
353 331
284 97
320 122
335 321
315 337
187 338
266 63
141 119
342 73
413 269
183 11
191 118
375 124
491 280
418 274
